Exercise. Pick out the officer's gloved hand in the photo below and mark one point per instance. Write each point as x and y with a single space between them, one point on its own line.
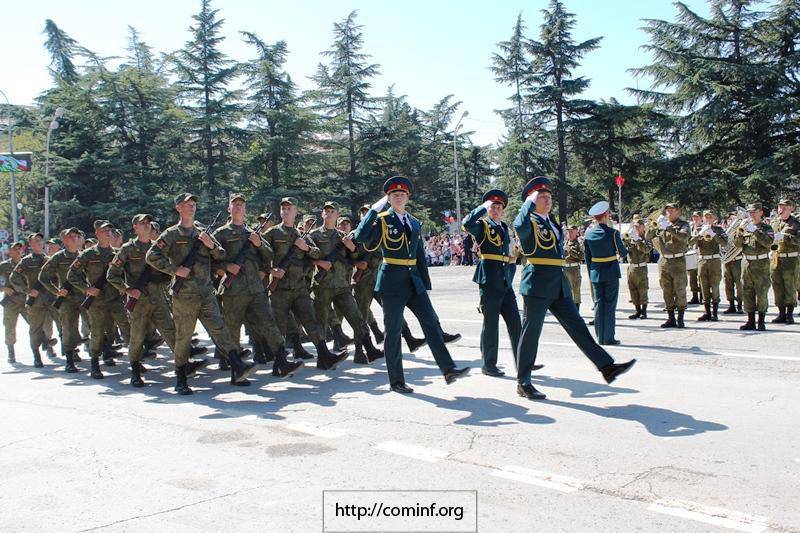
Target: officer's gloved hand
779 236
487 204
750 227
663 222
381 204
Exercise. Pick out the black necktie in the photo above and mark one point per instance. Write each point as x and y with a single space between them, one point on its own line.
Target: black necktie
407 227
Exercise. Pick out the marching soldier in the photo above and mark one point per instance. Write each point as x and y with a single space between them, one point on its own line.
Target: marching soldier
290 294
755 239
242 291
13 301
403 280
25 279
603 248
573 257
785 261
732 275
670 237
638 258
694 285
544 287
196 299
331 283
709 239
367 266
53 277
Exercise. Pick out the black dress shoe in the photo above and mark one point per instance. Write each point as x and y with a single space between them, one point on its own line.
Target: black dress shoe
401 387
493 372
450 337
530 392
612 342
537 367
455 373
610 372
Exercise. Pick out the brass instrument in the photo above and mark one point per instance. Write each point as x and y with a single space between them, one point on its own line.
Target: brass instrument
736 229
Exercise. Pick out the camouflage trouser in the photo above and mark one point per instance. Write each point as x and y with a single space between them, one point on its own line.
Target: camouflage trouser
755 285
101 324
694 286
733 280
85 331
121 320
574 279
187 310
710 273
151 310
345 304
334 318
69 313
363 292
299 303
11 313
39 317
672 278
784 281
255 310
638 285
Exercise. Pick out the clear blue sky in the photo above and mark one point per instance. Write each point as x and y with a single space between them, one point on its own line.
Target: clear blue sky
427 49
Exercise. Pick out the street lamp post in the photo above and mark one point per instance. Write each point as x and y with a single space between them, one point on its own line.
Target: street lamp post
13 179
455 167
53 125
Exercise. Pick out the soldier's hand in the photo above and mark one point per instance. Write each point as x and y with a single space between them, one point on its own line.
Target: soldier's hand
751 227
380 204
324 265
7 290
361 265
183 272
779 236
348 243
34 293
278 273
487 204
233 268
62 292
93 291
255 238
301 244
134 293
206 239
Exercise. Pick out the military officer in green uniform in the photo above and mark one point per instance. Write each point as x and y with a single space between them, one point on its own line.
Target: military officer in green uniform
53 277
694 284
670 236
289 272
755 239
196 299
13 301
785 261
403 279
709 240
573 257
494 277
639 250
331 282
544 287
25 279
243 297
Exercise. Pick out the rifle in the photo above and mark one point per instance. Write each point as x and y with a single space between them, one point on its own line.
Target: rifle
191 258
98 284
141 285
284 262
332 257
241 257
67 286
30 300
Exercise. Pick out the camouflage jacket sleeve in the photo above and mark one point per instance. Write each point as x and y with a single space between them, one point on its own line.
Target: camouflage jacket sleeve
17 279
48 277
158 254
116 270
76 275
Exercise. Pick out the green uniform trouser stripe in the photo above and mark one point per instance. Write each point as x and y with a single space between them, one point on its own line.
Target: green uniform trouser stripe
187 310
710 273
496 303
298 302
69 314
345 304
151 310
255 310
638 285
672 278
574 279
784 281
733 280
101 322
755 285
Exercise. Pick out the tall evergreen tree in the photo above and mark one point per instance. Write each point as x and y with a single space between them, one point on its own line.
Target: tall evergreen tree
62 49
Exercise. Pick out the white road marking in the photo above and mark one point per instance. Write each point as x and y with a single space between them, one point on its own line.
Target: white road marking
541 479
325 433
710 515
413 451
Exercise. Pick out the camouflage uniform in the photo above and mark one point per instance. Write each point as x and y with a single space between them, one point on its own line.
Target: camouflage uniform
709 268
672 243
24 278
13 307
785 266
54 276
755 247
573 256
638 283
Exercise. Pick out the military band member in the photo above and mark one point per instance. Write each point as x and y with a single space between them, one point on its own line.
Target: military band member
403 279
755 239
670 235
544 288
639 250
13 301
732 276
709 240
785 261
573 258
196 299
694 284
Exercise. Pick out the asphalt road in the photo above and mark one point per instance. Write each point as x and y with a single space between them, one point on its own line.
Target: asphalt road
702 435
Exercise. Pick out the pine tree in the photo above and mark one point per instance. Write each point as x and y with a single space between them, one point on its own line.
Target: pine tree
62 49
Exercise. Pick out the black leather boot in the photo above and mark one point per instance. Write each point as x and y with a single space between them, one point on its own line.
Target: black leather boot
731 310
670 323
37 357
705 317
715 311
136 375
69 366
240 370
340 340
327 360
680 322
695 298
297 348
282 367
376 331
359 357
739 309
750 324
637 314
181 386
372 351
644 312
12 358
781 318
413 343
760 325
790 314
96 373
259 357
